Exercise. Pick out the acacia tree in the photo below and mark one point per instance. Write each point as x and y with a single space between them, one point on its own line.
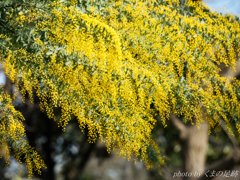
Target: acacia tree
116 65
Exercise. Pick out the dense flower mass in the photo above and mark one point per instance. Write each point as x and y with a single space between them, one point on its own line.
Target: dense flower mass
115 65
12 133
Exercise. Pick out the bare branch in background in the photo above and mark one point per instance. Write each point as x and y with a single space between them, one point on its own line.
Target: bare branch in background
8 86
227 72
178 124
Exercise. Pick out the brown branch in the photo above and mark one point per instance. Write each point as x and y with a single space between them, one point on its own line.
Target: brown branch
227 72
30 128
229 162
8 87
178 124
223 164
226 163
231 137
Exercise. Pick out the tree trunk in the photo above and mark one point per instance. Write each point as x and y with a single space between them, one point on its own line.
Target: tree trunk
195 151
194 147
195 142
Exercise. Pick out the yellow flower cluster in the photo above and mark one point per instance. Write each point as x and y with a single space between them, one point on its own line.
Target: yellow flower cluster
13 133
108 68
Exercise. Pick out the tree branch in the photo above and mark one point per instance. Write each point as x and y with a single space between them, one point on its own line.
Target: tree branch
178 124
223 164
231 137
229 162
226 163
8 87
227 72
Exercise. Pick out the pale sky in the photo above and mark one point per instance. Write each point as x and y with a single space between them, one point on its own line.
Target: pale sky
233 6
